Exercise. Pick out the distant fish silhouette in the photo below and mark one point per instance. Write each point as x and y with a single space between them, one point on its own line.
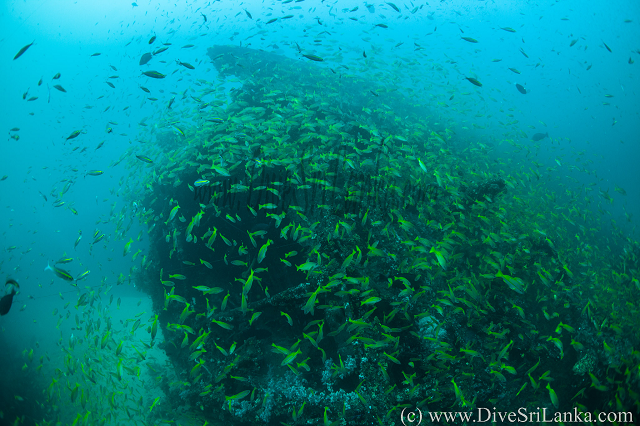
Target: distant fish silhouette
145 58
539 136
521 89
24 49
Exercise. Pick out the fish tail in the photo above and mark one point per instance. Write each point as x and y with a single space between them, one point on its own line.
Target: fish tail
48 268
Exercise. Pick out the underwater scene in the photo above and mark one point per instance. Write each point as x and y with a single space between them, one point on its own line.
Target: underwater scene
309 212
